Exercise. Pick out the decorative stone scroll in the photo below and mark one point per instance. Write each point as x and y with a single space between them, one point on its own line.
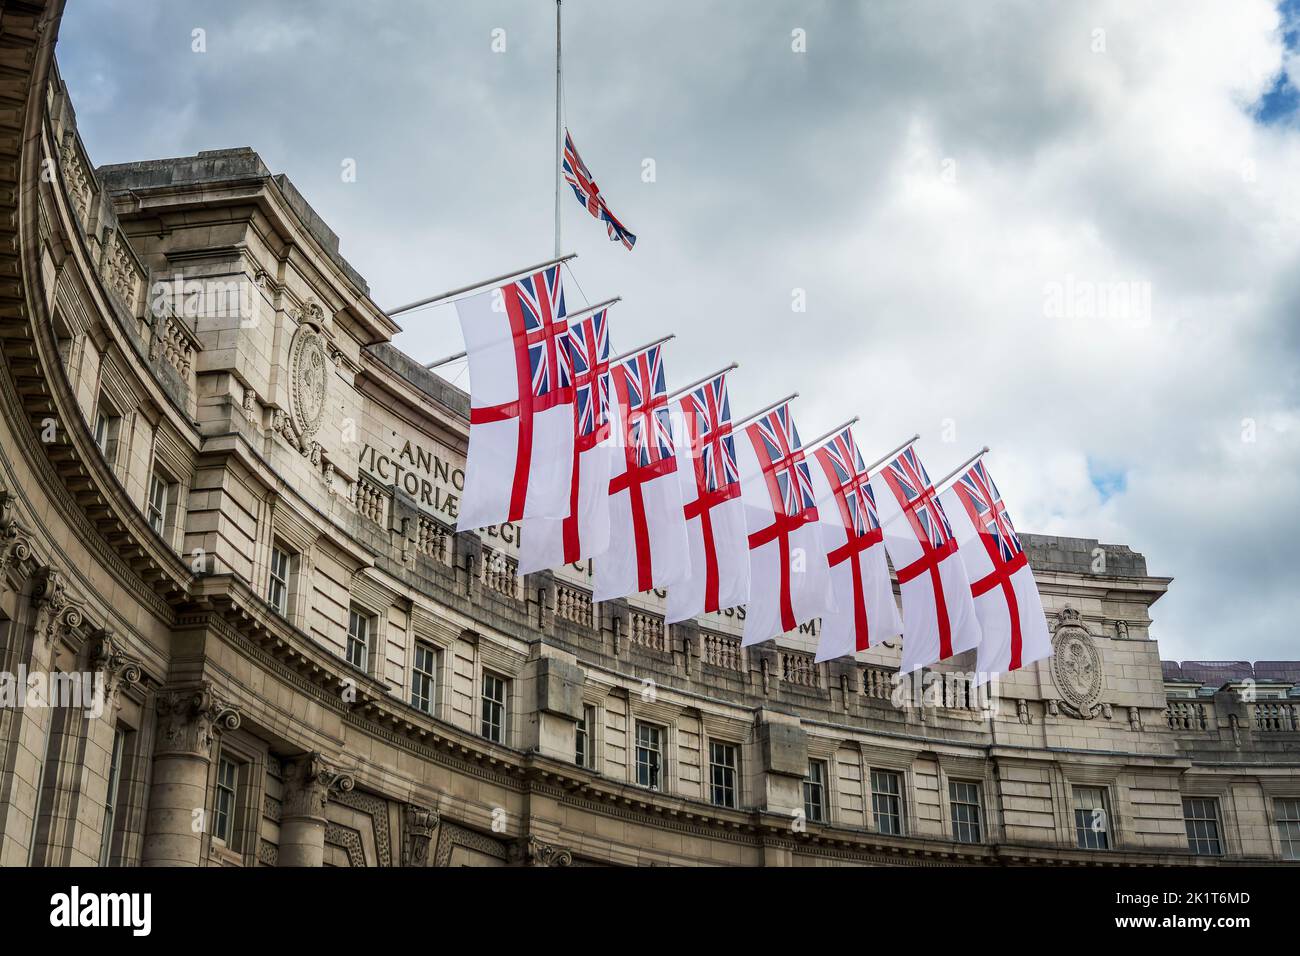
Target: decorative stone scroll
119 668
56 615
15 545
531 851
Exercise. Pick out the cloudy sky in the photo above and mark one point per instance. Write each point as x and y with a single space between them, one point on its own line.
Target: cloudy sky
1068 231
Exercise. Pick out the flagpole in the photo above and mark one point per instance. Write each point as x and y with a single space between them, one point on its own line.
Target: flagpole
810 445
960 468
559 137
763 411
876 464
708 378
638 351
576 316
478 285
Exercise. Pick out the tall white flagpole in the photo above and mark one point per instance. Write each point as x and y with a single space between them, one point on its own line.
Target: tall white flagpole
559 135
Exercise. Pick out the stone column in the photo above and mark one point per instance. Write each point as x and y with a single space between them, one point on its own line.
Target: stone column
308 783
189 719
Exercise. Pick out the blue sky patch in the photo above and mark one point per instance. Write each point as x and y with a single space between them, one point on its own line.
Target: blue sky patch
1108 481
1283 100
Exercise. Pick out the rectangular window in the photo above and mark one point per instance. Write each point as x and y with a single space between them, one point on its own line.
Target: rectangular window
583 743
1287 810
1091 821
887 801
277 594
157 512
966 818
649 755
1201 815
111 799
494 707
107 425
814 792
722 774
223 811
358 639
422 677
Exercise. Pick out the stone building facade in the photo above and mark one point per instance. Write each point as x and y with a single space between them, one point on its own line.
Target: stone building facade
237 629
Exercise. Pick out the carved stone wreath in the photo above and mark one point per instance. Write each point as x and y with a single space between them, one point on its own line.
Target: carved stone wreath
1076 666
309 375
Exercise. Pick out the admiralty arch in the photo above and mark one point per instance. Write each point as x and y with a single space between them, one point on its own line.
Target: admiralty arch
226 511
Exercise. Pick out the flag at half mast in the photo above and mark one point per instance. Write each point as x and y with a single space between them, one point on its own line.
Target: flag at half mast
579 177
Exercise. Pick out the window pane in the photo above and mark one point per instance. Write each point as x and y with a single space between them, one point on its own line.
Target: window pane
1091 820
1287 810
814 792
887 801
494 701
648 755
965 800
722 774
224 809
358 639
1201 815
422 677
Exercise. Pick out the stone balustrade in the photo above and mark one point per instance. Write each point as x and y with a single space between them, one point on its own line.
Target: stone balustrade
798 668
574 605
722 651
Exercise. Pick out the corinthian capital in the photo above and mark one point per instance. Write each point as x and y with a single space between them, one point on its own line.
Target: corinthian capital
531 851
189 718
309 782
107 656
55 613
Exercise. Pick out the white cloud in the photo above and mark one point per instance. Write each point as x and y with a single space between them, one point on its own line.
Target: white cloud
832 171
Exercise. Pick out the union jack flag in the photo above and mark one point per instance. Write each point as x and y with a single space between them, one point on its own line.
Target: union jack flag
786 461
714 442
851 478
588 346
578 176
541 301
910 477
649 426
979 490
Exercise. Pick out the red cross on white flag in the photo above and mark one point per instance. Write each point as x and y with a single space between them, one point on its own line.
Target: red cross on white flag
520 455
865 613
938 616
647 530
1007 602
715 517
789 583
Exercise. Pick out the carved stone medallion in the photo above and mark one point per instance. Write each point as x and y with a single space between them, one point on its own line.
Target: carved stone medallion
1076 666
309 374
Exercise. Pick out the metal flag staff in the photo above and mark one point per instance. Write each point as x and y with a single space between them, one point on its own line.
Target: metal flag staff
559 132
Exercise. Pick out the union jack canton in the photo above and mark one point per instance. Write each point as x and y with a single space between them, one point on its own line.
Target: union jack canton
578 176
